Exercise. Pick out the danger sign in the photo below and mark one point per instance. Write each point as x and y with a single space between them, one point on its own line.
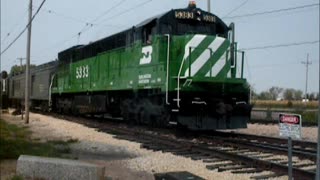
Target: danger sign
290 125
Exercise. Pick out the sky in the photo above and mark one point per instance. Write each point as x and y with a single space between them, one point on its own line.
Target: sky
59 22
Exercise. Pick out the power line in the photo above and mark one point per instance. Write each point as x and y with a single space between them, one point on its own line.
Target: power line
87 27
273 11
280 45
24 28
128 10
12 29
235 9
49 11
109 10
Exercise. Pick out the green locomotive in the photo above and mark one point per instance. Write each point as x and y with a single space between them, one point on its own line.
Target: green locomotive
179 68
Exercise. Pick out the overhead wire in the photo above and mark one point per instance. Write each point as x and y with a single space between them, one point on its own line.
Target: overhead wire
38 10
128 10
88 26
12 29
92 23
236 8
280 45
50 11
273 11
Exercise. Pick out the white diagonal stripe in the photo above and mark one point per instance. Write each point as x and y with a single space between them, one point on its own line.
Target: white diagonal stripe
204 57
194 42
229 74
217 67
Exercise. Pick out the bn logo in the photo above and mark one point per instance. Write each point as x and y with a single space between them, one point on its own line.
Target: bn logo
146 55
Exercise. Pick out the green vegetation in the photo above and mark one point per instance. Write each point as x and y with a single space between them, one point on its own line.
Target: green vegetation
307 110
15 141
285 104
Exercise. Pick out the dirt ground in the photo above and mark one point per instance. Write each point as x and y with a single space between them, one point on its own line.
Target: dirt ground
125 159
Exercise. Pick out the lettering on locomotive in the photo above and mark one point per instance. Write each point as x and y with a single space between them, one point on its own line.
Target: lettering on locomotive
184 15
209 18
82 72
144 78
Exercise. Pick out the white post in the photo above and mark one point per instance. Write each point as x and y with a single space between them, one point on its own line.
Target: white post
318 149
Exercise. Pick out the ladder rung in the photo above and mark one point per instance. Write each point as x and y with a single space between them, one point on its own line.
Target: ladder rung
176 77
176 99
173 123
175 110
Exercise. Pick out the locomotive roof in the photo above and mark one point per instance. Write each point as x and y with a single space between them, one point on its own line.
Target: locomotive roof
169 13
168 16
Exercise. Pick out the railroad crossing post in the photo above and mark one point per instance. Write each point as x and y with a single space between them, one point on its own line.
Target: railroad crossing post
318 147
290 158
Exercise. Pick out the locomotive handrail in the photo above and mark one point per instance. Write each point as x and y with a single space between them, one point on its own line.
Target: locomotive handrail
168 60
179 73
50 101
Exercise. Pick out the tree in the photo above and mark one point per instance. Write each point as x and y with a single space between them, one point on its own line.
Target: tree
17 69
297 94
265 95
313 96
275 92
288 94
292 94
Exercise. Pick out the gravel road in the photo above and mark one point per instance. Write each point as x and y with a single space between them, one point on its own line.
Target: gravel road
124 159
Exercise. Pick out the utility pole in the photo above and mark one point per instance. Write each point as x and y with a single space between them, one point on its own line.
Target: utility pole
307 63
27 94
209 6
21 62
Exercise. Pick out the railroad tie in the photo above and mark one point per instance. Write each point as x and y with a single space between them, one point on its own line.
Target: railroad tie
267 176
212 160
262 156
215 166
246 171
227 168
302 165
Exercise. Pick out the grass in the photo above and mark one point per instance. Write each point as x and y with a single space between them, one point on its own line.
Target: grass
307 110
15 141
285 104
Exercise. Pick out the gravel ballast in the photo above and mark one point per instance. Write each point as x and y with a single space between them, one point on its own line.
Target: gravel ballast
124 159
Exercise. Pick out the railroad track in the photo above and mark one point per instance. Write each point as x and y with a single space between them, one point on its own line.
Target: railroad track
237 153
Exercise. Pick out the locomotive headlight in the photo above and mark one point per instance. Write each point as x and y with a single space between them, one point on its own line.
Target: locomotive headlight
192 4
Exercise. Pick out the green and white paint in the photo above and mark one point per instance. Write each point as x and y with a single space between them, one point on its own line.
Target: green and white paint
139 66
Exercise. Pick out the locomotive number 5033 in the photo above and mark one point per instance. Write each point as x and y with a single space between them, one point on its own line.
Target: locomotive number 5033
82 72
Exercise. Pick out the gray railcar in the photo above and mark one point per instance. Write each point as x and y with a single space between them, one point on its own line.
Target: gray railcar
40 81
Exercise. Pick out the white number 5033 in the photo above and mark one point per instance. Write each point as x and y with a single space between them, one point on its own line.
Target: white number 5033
82 72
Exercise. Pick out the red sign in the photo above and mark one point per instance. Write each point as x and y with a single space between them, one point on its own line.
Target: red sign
290 125
289 119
